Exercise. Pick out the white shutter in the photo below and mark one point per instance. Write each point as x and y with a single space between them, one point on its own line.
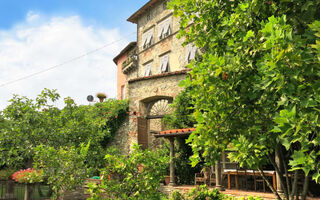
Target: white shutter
144 39
165 63
161 64
147 70
150 36
189 49
193 52
167 27
160 30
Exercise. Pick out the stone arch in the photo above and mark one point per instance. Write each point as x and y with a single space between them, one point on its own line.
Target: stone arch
153 108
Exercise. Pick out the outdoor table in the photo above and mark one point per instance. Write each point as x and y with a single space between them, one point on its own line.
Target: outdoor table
236 173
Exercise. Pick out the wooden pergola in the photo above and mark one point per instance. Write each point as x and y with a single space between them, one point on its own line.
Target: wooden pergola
170 135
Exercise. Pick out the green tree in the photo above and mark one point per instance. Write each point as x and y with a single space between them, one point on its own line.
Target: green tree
64 168
27 123
255 82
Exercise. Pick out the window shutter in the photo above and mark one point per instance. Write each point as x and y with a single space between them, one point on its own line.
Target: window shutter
165 62
147 70
161 64
167 27
142 133
144 39
160 31
150 36
189 49
193 52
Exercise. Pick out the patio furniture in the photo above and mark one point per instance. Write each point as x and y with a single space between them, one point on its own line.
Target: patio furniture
258 179
242 177
212 179
234 172
201 177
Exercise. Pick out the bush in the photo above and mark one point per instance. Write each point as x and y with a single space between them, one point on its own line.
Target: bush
203 193
133 177
177 196
5 174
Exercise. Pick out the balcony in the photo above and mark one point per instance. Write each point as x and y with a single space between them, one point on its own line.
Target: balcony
131 62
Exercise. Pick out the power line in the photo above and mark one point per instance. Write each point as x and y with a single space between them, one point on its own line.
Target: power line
66 62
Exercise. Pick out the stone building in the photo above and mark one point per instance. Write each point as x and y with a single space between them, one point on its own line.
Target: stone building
152 78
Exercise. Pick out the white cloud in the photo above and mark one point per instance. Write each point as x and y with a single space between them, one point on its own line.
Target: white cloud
39 43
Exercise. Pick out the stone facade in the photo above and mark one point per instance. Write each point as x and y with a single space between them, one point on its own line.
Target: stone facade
162 53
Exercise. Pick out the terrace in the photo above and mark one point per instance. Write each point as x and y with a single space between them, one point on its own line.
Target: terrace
131 61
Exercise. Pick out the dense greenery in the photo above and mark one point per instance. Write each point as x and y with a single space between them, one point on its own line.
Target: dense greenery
133 177
57 140
27 123
255 83
64 168
181 117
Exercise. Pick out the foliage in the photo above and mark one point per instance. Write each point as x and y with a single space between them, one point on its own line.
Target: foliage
177 196
136 176
183 170
64 167
5 174
29 175
181 117
241 198
101 95
255 84
27 123
203 193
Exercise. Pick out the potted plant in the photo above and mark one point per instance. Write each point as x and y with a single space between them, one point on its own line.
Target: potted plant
101 96
29 177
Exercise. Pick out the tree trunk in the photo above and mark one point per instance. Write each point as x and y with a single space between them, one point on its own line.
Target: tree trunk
269 184
305 188
280 174
294 185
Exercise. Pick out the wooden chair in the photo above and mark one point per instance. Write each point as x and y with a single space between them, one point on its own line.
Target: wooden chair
201 177
212 179
258 179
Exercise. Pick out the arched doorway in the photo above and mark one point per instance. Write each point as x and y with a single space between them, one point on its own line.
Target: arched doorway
156 109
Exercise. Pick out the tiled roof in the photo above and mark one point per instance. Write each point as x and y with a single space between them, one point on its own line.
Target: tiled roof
159 75
175 132
142 10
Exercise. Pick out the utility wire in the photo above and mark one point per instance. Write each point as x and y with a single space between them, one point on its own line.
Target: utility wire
66 62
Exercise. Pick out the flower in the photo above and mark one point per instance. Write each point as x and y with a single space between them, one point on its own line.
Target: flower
29 175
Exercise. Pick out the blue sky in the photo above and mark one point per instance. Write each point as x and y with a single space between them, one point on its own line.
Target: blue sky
111 13
36 35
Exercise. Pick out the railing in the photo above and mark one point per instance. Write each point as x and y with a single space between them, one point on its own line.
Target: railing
10 190
131 61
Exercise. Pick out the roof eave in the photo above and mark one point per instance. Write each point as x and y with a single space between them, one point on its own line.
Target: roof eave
133 18
124 50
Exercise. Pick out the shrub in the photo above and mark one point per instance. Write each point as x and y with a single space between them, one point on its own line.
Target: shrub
133 177
5 174
177 196
203 193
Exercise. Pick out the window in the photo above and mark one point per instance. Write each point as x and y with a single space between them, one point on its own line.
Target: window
191 52
164 63
164 29
147 69
122 92
147 39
